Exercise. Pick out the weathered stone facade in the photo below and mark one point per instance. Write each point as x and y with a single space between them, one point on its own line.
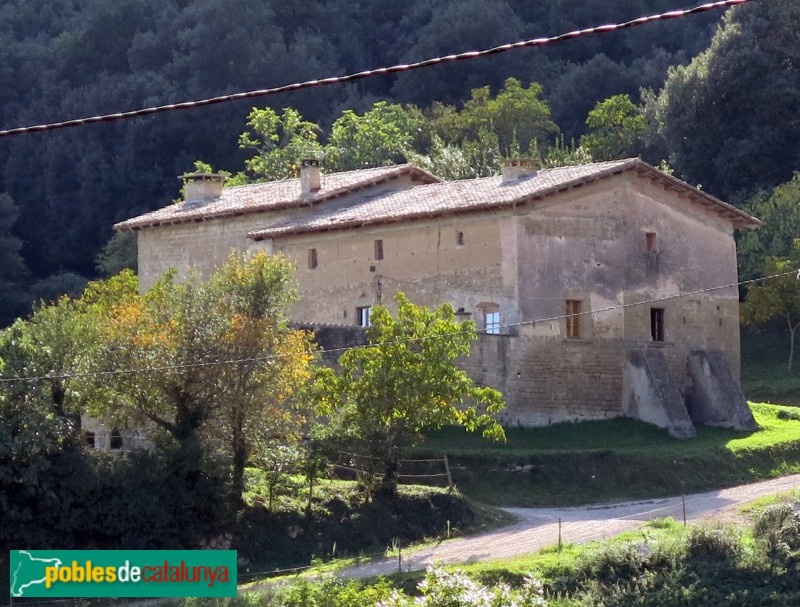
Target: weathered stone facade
568 274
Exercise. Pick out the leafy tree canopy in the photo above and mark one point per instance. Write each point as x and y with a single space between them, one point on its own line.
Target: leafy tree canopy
615 126
280 142
517 116
776 298
173 343
381 136
729 119
779 212
387 395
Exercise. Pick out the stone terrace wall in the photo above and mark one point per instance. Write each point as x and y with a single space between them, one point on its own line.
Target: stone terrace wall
553 380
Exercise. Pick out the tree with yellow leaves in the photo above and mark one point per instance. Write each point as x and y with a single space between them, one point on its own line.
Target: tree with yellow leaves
210 363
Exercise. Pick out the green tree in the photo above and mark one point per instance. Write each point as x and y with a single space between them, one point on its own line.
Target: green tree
381 136
776 298
387 395
41 399
560 155
779 212
120 253
262 400
57 493
280 142
615 126
470 159
173 342
517 116
14 299
55 345
729 119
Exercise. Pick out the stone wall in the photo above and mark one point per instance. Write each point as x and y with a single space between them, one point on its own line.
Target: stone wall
423 259
550 380
205 245
621 246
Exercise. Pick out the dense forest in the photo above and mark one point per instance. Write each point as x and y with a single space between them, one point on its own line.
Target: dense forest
717 95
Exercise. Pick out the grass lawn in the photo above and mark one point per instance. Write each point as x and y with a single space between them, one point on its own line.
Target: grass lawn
590 462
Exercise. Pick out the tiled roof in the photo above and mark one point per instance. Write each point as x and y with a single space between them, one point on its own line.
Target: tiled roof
272 195
487 193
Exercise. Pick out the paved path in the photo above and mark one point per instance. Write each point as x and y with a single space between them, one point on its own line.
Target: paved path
537 528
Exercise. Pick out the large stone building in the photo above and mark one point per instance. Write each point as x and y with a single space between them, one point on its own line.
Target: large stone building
598 288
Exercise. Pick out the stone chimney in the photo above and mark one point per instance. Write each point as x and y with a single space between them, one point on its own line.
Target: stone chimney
516 168
202 187
309 176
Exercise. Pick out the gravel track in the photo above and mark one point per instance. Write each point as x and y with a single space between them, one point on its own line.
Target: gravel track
537 528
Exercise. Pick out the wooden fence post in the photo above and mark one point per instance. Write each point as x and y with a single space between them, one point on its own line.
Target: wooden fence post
449 476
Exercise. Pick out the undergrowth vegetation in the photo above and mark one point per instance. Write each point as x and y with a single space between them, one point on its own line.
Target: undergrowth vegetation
660 565
343 521
764 372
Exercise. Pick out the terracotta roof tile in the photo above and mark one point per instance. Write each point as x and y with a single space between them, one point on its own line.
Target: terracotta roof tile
475 194
261 197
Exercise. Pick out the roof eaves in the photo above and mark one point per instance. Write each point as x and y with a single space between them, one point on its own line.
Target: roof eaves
738 218
384 177
264 234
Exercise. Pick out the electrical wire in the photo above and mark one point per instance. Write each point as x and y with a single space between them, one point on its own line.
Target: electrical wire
321 352
404 67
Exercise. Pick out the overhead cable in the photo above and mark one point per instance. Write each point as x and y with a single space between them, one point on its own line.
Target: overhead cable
404 67
320 352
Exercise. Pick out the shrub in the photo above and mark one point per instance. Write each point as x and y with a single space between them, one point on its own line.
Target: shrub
616 562
442 588
772 519
335 593
719 542
787 415
778 528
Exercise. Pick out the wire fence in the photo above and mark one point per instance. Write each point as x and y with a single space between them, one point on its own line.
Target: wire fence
569 528
431 471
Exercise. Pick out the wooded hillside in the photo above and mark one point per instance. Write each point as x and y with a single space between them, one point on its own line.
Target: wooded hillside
728 120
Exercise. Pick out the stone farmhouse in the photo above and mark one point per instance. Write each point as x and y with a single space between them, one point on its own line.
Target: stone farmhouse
598 289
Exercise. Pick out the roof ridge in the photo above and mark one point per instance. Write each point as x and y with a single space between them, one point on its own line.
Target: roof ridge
270 195
322 174
475 195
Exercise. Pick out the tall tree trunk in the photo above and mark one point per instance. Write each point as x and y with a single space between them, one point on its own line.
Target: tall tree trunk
389 483
792 331
239 451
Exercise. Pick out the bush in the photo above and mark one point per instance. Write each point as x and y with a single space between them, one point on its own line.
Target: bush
718 542
442 588
617 562
778 528
786 415
772 519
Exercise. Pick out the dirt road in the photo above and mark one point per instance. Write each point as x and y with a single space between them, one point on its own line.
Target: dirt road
539 527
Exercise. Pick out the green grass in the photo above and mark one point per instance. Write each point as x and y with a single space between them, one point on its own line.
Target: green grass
589 462
549 563
765 376
758 506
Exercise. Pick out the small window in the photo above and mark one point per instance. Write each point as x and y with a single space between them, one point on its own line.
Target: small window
362 316
460 239
650 242
312 259
491 322
89 438
116 440
573 317
378 249
657 324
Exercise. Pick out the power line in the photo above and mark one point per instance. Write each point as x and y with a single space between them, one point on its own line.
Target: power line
268 357
404 67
